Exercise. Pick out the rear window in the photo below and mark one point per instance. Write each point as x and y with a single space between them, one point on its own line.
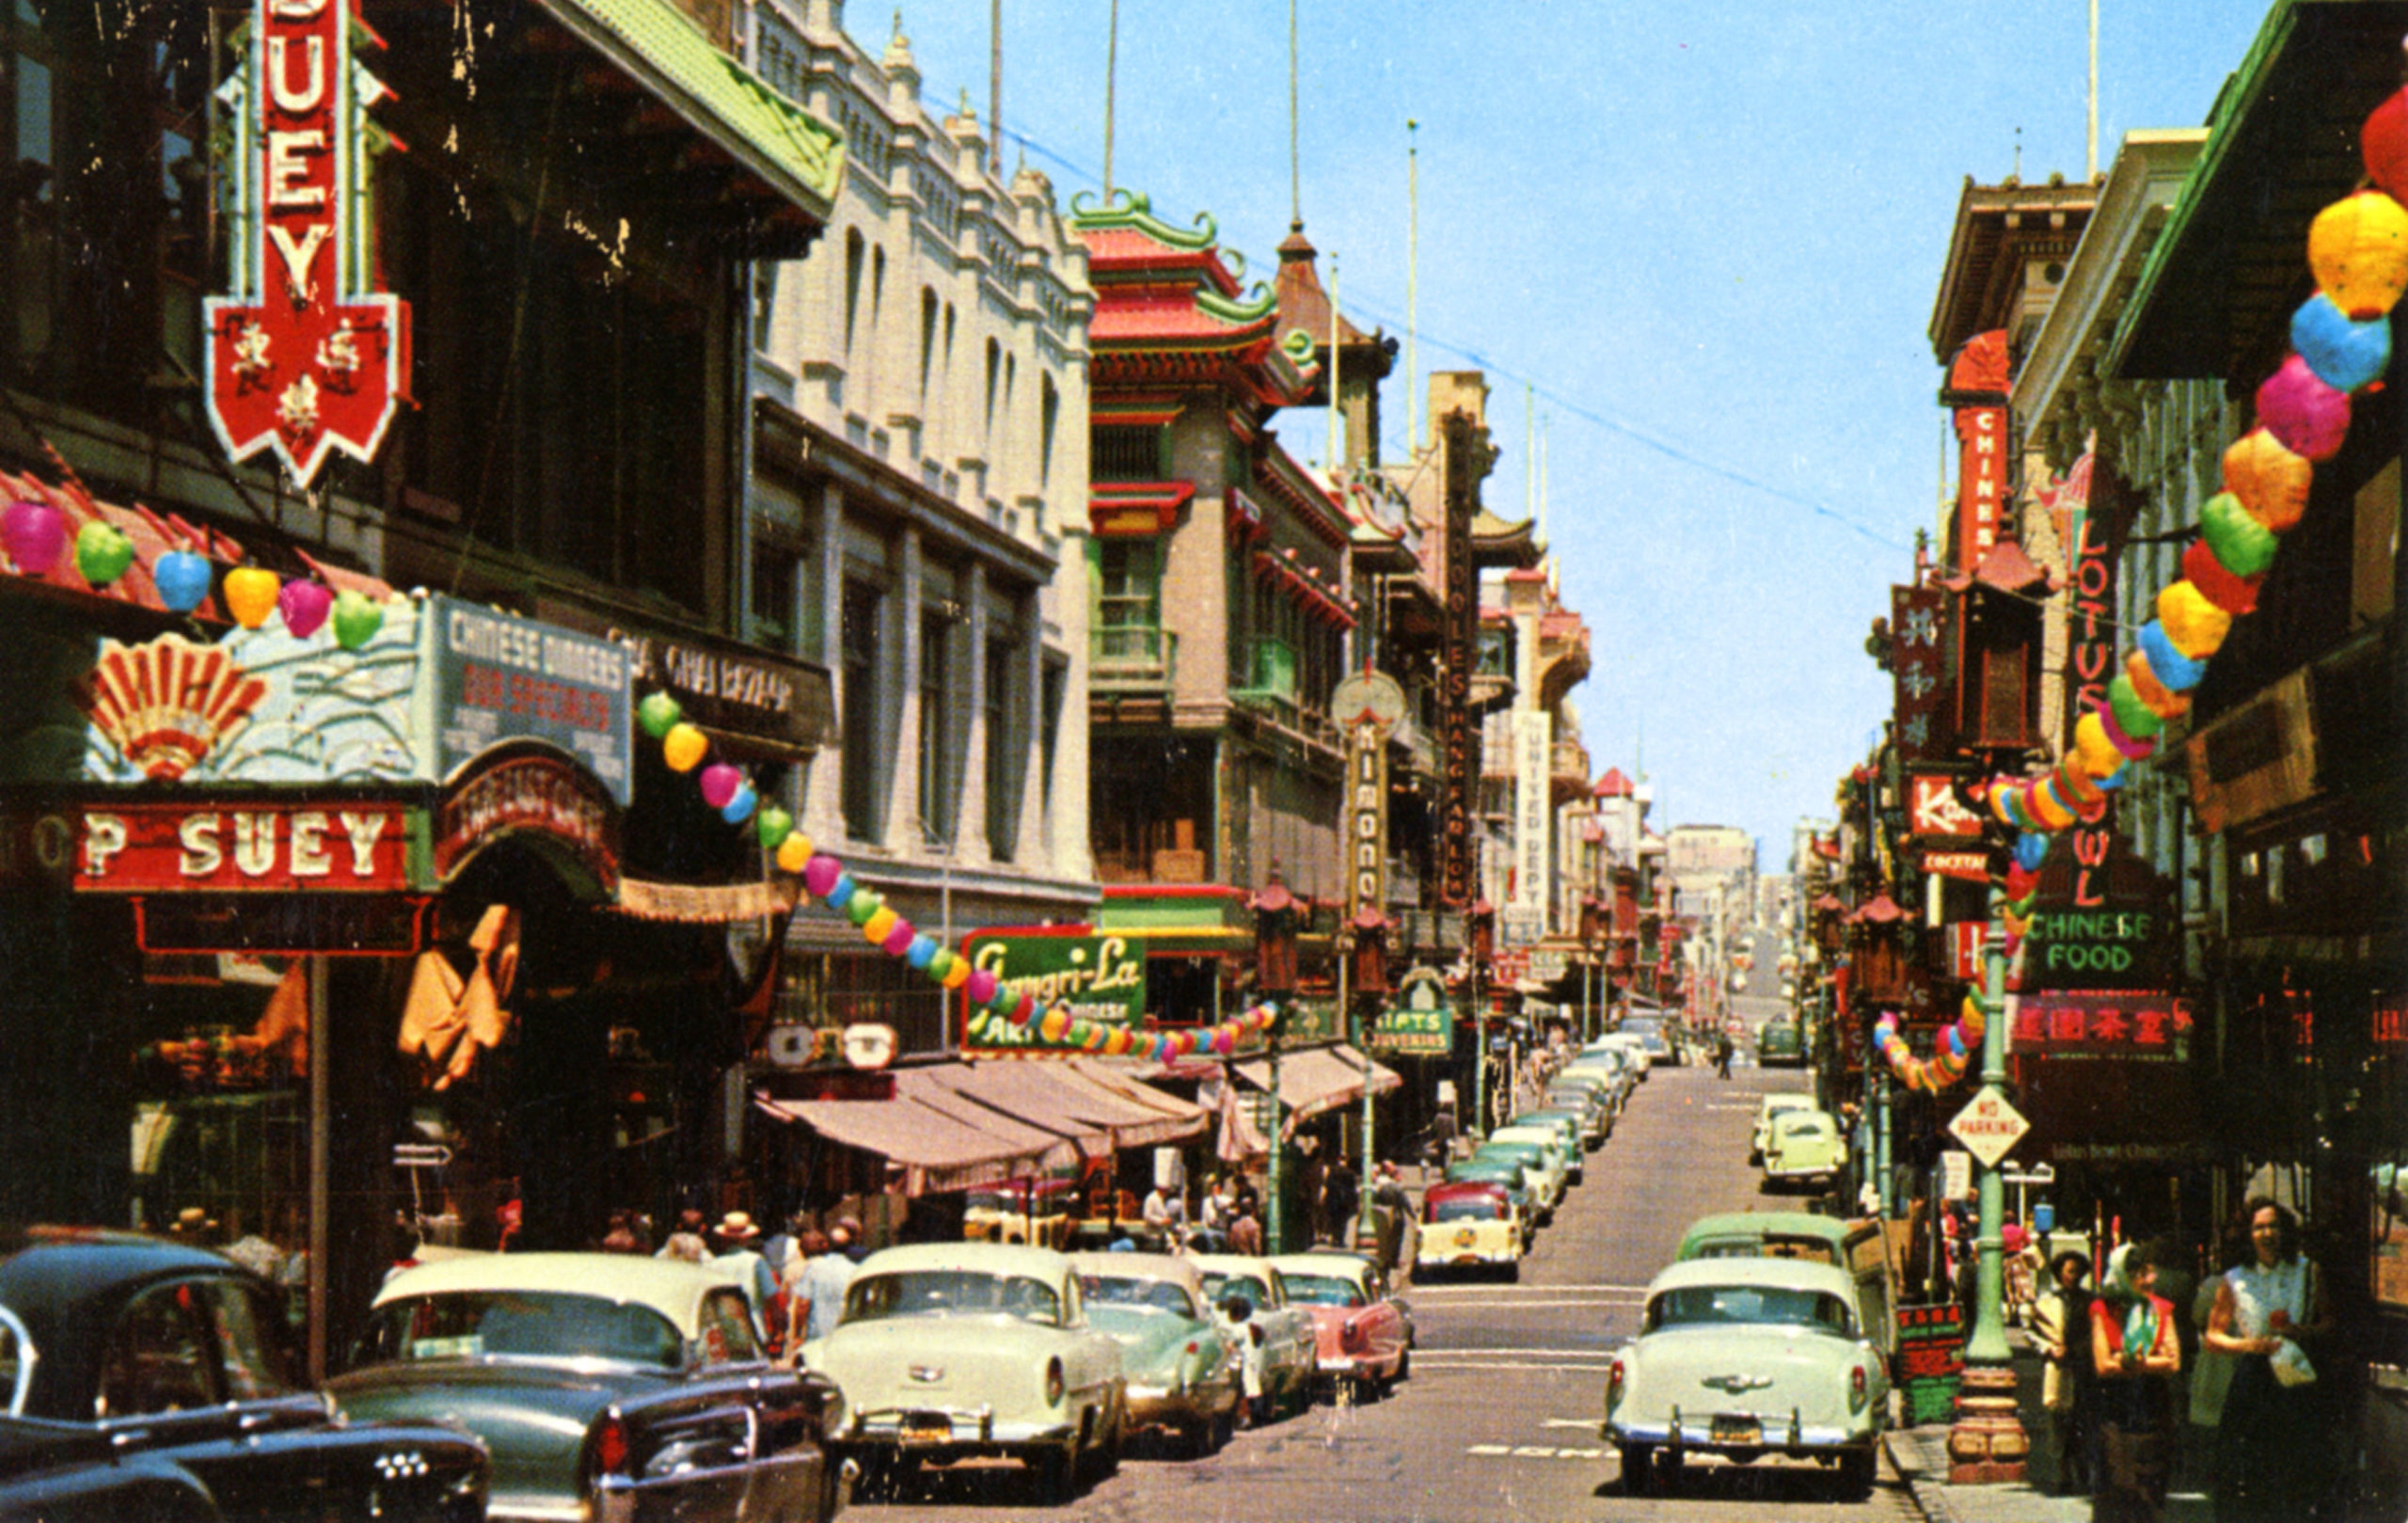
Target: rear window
1699 1306
538 1324
1469 1208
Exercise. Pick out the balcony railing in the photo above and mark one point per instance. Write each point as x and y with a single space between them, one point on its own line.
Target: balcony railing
1129 659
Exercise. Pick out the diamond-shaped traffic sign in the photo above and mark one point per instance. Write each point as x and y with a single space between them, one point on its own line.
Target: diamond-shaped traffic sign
1989 1127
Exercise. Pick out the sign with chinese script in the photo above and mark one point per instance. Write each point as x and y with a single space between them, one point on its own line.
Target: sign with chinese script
1931 1360
1421 1024
1932 807
302 355
1915 671
2143 1025
347 846
499 677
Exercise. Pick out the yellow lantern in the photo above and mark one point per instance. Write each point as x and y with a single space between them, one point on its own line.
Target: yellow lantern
251 595
2196 625
2046 807
682 748
794 853
959 974
2358 249
875 929
2097 754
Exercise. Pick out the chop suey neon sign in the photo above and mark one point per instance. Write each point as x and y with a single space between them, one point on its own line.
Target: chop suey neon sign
302 354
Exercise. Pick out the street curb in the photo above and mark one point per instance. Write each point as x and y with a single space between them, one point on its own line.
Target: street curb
1905 1458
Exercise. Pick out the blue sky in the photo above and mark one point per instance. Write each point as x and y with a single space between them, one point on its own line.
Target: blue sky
1709 235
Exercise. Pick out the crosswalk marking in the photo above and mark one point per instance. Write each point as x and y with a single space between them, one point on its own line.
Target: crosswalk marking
1436 1292
1532 1452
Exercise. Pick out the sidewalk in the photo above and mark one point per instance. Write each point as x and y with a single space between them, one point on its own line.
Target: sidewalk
1920 1455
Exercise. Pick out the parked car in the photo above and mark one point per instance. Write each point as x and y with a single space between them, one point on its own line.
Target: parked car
948 1351
1182 1372
1766 1108
1589 1098
605 1387
1021 1210
1565 1124
1471 1226
1803 1147
1562 1155
1856 1246
1780 1045
1542 1166
148 1380
1747 1358
1509 1176
1363 1335
1284 1343
1654 1038
1633 1046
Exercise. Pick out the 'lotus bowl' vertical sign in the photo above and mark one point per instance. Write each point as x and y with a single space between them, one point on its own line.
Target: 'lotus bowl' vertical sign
302 355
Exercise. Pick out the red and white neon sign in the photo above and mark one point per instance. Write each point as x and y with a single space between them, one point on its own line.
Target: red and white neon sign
302 354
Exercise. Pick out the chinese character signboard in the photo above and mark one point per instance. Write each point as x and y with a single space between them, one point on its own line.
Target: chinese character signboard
1931 1360
499 677
302 356
1915 671
2147 1025
1421 1024
1098 979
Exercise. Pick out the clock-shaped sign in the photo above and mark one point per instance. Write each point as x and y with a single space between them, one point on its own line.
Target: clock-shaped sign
1368 698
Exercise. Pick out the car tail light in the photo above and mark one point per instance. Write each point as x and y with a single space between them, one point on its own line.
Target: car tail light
1194 1348
1615 1374
1054 1383
1855 1386
611 1446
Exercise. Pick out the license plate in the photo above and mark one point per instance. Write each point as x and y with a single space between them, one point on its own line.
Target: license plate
928 1435
1738 1431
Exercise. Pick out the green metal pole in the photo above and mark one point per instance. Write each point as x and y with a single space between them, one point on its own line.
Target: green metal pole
1275 1213
1988 1344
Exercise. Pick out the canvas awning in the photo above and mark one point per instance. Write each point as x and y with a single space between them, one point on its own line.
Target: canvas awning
936 1150
1017 1089
1316 1079
1067 1090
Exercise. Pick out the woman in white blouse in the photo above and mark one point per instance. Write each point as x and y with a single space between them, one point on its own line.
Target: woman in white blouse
2269 1462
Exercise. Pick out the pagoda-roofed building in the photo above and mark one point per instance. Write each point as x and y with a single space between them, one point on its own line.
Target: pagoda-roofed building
1362 360
1223 602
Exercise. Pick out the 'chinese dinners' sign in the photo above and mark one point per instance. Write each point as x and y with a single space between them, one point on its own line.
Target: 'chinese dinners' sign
145 847
499 677
1098 979
2117 1024
302 356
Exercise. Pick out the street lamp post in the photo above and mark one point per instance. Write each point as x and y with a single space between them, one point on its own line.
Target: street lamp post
1364 946
1274 945
1986 1443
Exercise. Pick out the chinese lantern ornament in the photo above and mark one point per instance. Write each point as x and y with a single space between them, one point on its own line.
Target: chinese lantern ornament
794 853
103 552
182 580
2384 141
2344 355
304 606
2358 249
682 748
658 714
2269 481
251 595
2309 417
356 617
740 804
773 826
720 782
35 535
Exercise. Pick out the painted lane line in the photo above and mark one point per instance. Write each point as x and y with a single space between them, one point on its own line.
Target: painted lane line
1423 1351
1532 1451
1550 1290
1518 1306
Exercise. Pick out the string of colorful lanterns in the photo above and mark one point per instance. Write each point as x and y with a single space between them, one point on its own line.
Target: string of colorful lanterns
1952 1052
992 1005
2357 249
34 535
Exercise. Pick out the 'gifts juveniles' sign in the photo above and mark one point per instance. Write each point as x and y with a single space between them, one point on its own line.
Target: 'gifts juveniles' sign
302 356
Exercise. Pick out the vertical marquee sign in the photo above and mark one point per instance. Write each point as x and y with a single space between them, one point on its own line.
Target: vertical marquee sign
1976 390
302 355
1459 647
1368 705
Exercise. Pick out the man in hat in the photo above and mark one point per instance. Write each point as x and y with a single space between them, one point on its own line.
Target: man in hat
732 1242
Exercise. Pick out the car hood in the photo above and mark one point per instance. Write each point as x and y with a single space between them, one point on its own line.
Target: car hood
1727 1367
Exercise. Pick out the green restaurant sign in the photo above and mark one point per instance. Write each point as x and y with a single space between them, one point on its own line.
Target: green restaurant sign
1098 979
1421 1024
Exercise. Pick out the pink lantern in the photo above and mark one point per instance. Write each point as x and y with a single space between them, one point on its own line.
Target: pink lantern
898 941
720 781
981 987
35 536
820 872
2308 418
304 606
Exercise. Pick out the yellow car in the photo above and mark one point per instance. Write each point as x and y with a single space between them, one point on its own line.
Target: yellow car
1470 1226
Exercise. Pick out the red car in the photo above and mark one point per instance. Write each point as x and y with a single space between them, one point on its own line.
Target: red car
1363 1334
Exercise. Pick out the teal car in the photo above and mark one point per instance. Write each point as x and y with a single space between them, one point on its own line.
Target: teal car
1542 1175
1182 1368
1779 1045
604 1387
1566 1123
1563 1158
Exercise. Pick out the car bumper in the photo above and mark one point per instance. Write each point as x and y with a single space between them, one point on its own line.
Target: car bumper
1156 1407
1776 1433
1469 1259
952 1431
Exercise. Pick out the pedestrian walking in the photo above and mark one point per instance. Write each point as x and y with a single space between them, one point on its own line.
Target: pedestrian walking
816 1297
2271 1458
2135 1355
1237 1319
1722 1054
736 1256
2061 1326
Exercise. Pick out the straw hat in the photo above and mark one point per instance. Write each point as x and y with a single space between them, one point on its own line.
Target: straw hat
194 1220
737 1227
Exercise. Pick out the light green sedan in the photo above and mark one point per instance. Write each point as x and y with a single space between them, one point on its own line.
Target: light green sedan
1803 1147
951 1350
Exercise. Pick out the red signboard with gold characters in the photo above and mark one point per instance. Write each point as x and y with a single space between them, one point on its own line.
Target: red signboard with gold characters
302 355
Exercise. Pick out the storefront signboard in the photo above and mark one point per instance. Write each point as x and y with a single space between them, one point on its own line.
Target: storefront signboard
1931 1361
302 355
1421 1023
2102 918
529 790
497 678
1099 979
247 846
1915 617
777 705
2145 1024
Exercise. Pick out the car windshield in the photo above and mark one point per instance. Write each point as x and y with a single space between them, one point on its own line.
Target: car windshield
1698 1306
1769 1245
1144 1294
936 1293
1049 1199
1802 1128
1477 1208
1325 1291
1219 1287
529 1324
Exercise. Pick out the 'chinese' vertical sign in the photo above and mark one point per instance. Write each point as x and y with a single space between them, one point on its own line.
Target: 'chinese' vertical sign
1915 613
302 356
1976 389
1459 647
